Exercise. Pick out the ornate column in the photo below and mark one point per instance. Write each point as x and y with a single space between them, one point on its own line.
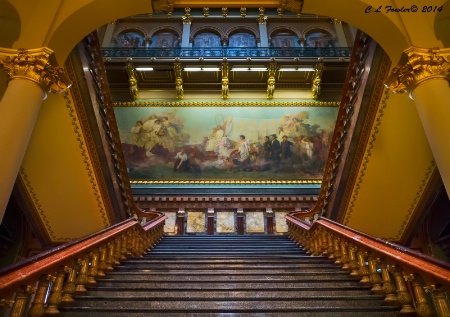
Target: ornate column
262 21
107 38
32 74
425 75
339 32
187 20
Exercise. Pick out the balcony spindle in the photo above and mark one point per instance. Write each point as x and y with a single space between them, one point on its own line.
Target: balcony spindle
388 287
55 297
440 300
117 250
403 296
101 261
422 306
93 268
344 255
21 301
37 308
110 256
70 284
330 245
324 250
337 250
363 268
82 275
352 262
374 277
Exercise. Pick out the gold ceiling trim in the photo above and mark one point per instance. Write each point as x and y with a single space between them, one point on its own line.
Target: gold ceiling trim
371 116
427 184
367 156
227 182
226 104
31 200
87 160
90 143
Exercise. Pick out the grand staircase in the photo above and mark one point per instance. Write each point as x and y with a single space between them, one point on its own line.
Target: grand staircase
251 275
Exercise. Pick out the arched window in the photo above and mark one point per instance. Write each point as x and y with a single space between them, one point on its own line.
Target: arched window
319 38
130 39
242 39
165 40
284 39
207 40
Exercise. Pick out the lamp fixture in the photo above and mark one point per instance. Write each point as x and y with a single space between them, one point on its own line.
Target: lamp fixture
297 69
247 69
144 69
198 69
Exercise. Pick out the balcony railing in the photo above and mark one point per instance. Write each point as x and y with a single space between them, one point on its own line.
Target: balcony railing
38 285
301 52
403 276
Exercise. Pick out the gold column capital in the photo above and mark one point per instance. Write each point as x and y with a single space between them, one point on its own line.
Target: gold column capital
416 66
38 65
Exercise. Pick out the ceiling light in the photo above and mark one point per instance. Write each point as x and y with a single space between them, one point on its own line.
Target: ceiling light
144 69
211 69
254 69
297 69
192 69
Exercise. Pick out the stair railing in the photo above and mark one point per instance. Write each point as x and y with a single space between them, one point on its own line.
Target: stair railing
405 277
37 286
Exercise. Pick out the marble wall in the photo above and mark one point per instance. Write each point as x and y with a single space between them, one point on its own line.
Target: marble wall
169 225
196 222
254 222
225 222
280 222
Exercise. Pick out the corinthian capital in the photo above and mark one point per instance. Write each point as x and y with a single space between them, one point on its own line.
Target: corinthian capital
416 66
38 65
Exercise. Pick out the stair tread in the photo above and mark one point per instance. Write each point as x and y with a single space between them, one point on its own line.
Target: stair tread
239 276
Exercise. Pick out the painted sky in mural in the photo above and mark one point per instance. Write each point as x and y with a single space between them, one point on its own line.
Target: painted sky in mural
221 143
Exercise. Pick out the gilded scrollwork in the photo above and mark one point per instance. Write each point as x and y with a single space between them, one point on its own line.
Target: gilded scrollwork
38 65
416 66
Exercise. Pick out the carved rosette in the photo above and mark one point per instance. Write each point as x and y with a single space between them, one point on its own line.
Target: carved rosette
418 65
38 65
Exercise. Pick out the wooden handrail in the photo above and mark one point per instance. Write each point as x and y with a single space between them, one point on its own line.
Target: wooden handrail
32 268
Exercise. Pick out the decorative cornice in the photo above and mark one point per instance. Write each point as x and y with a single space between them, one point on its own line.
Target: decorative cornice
418 65
38 65
225 104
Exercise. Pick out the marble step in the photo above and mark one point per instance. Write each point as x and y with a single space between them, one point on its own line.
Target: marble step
301 259
219 278
304 313
196 284
188 271
174 267
337 293
232 305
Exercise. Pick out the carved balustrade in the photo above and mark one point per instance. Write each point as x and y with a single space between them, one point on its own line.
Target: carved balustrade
414 281
39 285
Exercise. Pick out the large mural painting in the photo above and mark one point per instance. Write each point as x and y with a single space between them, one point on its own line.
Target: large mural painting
219 142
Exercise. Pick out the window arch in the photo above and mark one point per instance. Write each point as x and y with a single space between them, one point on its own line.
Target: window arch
165 39
242 39
284 38
207 39
130 38
319 38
